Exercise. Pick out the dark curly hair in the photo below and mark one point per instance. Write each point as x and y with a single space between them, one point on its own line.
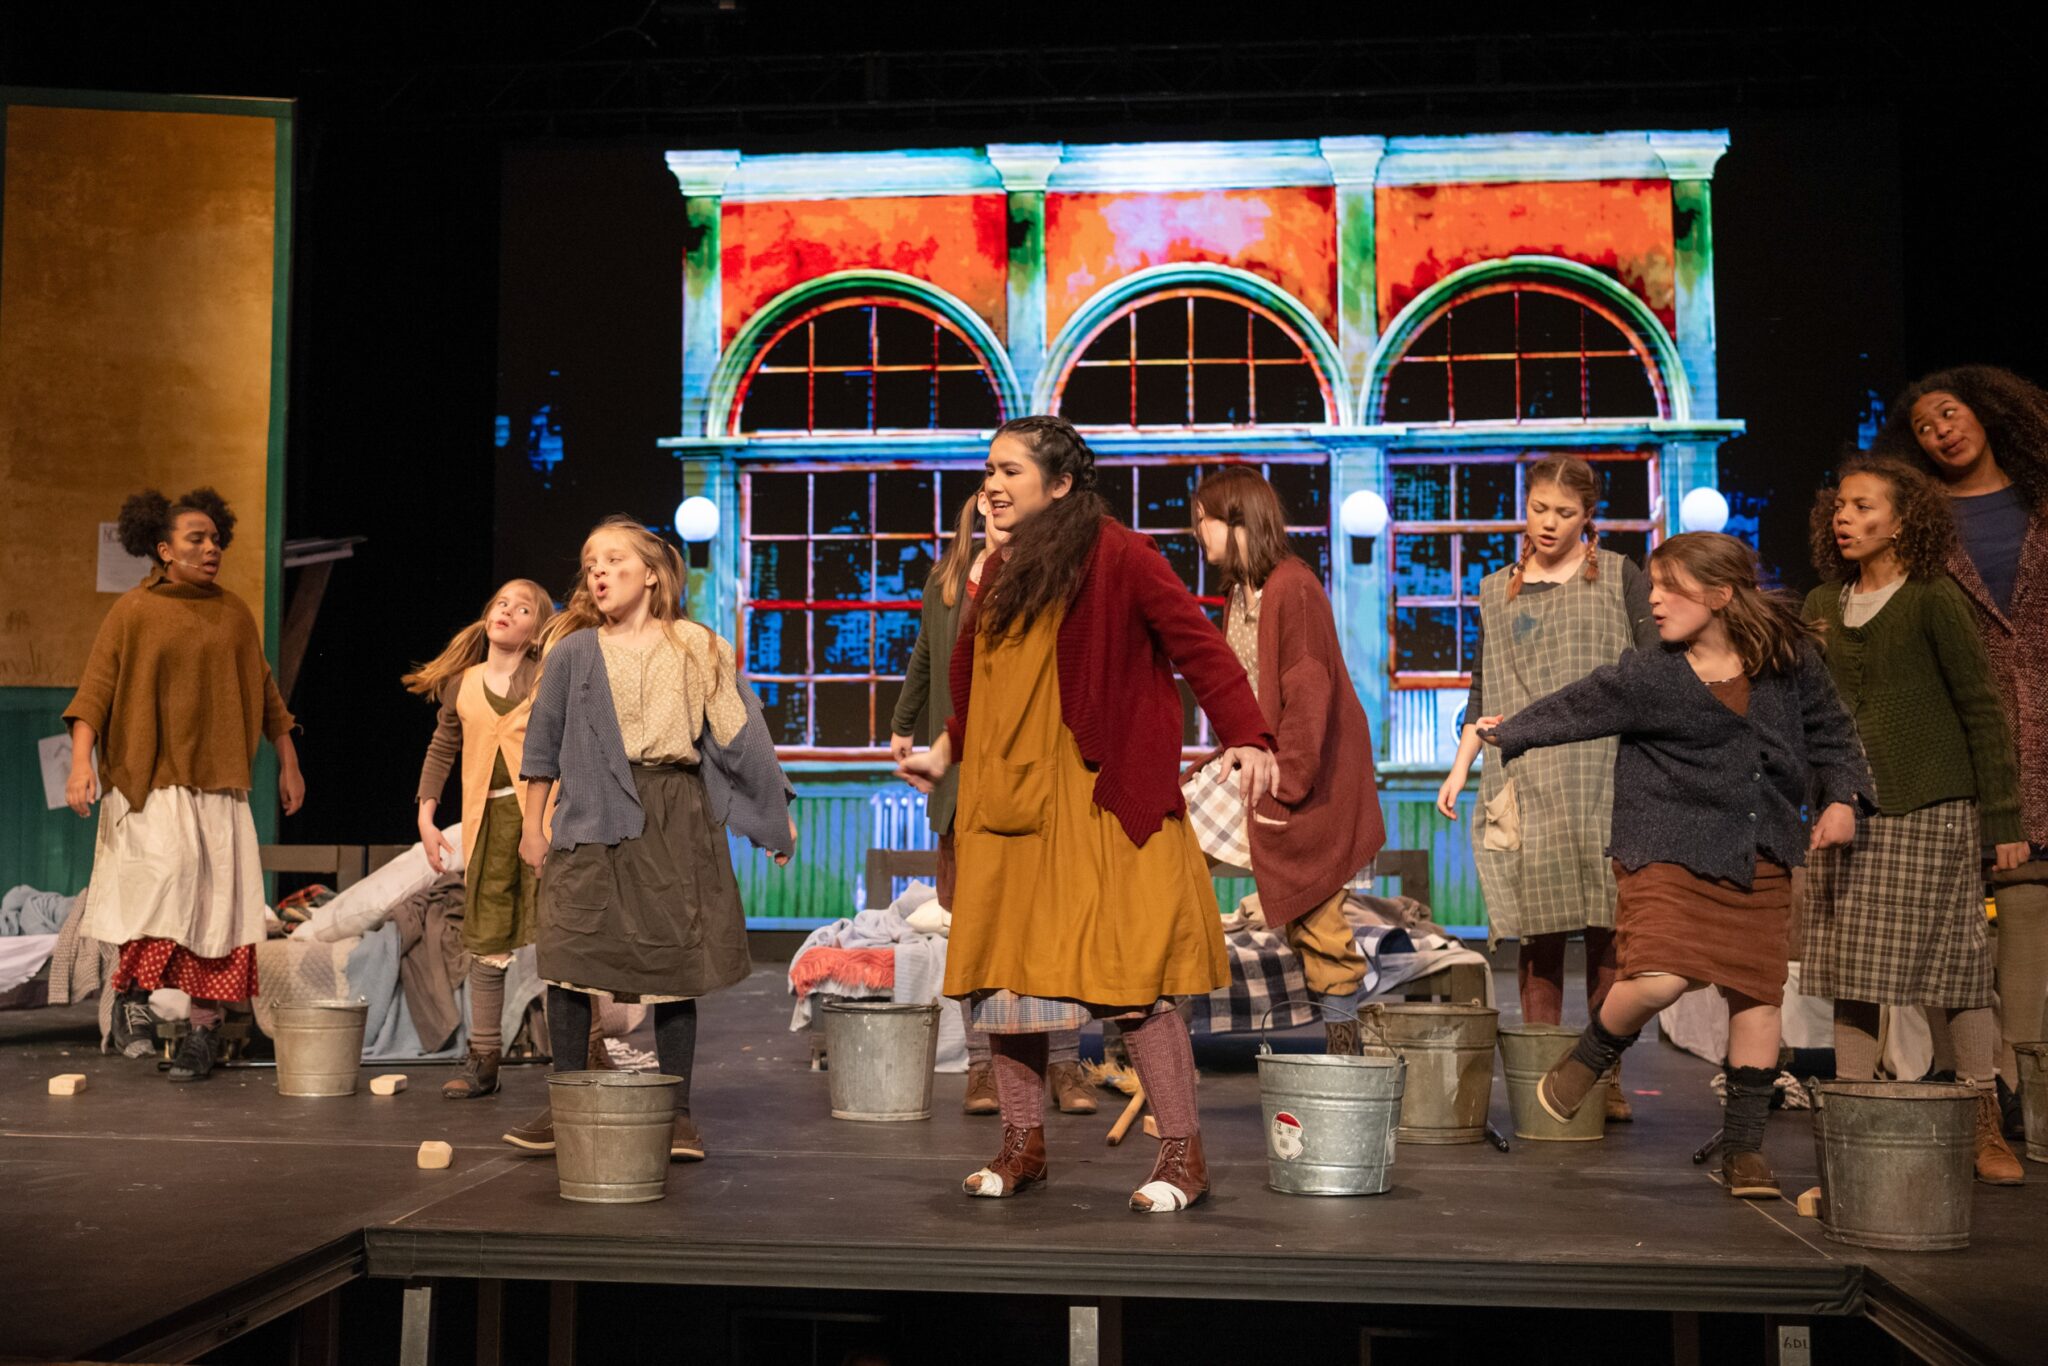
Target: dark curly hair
1044 563
1927 528
2012 410
148 517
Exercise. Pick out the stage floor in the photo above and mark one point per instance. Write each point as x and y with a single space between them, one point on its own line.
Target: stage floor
151 1219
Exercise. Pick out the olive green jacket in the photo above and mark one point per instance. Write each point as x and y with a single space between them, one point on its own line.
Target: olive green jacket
922 709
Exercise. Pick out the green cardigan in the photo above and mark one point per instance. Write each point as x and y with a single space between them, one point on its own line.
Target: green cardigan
1918 683
921 713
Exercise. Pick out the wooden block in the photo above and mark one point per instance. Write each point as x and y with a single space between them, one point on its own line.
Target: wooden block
1809 1203
1151 1127
390 1084
434 1155
67 1084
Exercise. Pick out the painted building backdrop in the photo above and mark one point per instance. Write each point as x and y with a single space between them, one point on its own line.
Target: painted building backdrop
1410 319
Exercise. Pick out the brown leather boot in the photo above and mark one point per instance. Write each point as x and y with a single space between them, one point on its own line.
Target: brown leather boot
1018 1167
1619 1111
1070 1089
1996 1166
537 1135
478 1077
1747 1176
1179 1180
685 1143
981 1090
1564 1088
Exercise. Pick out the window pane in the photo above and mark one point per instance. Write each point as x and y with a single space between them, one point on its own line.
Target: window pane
1271 342
843 716
904 500
842 504
1314 549
1422 567
1550 322
956 486
1422 493
1223 395
1290 393
903 337
1186 558
953 350
776 643
785 707
1112 343
1634 544
901 568
1486 492
1165 495
1550 389
840 570
1617 387
793 350
1426 639
1304 492
1484 326
1481 390
1418 391
1190 716
775 571
845 642
842 336
1162 395
1481 554
780 504
1097 396
904 398
895 638
1118 484
1162 329
1601 335
776 403
1627 488
1433 340
967 401
887 691
1220 327
839 401
1468 639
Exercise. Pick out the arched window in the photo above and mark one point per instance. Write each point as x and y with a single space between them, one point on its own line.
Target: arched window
1523 351
1193 358
865 364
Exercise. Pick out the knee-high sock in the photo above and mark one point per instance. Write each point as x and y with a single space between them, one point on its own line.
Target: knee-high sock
675 1044
1020 1078
977 1040
568 1029
2022 971
1749 1105
1856 1040
486 1006
1599 1048
1539 973
1165 1060
1603 966
1062 1046
1974 1034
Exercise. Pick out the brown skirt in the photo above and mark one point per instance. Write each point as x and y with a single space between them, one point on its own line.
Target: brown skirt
657 916
1672 920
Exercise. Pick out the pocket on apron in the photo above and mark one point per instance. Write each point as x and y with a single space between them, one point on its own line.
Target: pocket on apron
1014 799
576 889
1503 833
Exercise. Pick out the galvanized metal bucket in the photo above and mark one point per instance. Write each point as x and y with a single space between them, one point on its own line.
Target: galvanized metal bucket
1896 1162
612 1135
319 1047
1449 1051
882 1054
2033 1061
1330 1120
1526 1053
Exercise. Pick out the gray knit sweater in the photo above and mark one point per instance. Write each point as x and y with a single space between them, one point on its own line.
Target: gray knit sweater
1695 784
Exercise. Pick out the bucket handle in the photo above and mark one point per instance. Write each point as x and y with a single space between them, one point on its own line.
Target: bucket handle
1355 1016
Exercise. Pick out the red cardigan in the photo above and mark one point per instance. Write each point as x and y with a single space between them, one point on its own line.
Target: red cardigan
1327 796
1130 626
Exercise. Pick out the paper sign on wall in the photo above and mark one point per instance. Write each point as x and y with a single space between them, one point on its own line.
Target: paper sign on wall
118 570
54 754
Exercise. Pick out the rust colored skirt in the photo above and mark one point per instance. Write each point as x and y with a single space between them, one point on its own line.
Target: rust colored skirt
1672 920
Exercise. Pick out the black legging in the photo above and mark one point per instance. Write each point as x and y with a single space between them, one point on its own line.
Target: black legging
675 1036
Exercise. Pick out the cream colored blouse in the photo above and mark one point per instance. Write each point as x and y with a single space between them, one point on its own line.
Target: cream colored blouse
669 690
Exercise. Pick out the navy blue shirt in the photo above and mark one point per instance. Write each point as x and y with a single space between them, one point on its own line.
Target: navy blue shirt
1992 527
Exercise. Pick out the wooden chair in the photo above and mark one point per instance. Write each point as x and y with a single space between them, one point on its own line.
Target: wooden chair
886 865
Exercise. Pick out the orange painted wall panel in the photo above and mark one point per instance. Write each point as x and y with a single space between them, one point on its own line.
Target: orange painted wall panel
1289 236
1621 227
957 242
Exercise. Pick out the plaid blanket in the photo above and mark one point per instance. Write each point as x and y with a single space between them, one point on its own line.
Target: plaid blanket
1266 975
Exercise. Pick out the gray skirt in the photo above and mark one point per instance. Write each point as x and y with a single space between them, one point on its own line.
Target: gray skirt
654 916
1897 917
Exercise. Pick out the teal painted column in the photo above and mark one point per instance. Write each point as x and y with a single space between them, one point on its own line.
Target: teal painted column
714 591
1355 165
1026 167
1682 467
702 177
1359 592
1690 158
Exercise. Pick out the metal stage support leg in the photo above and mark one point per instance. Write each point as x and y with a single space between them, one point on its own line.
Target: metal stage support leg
561 1323
1095 1333
416 1328
1685 1339
316 1332
490 1323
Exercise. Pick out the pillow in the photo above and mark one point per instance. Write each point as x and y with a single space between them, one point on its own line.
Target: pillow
364 907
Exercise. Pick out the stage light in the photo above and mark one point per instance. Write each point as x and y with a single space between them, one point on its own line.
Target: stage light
697 524
1364 517
1703 509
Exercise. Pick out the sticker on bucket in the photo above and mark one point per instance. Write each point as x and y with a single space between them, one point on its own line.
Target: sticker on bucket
1286 1136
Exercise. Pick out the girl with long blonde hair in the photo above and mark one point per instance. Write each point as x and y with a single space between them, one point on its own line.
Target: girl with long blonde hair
1723 731
483 680
644 730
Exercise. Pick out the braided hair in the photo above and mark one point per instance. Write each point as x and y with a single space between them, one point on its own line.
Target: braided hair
1575 477
1046 560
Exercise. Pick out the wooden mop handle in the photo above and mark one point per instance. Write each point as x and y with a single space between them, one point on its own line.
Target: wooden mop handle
1128 1117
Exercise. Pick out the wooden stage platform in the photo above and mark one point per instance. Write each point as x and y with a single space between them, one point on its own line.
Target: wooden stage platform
155 1222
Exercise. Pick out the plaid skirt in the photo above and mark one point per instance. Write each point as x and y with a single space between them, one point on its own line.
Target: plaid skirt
1897 917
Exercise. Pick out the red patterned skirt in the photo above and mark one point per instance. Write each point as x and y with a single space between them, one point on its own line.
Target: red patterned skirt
151 963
